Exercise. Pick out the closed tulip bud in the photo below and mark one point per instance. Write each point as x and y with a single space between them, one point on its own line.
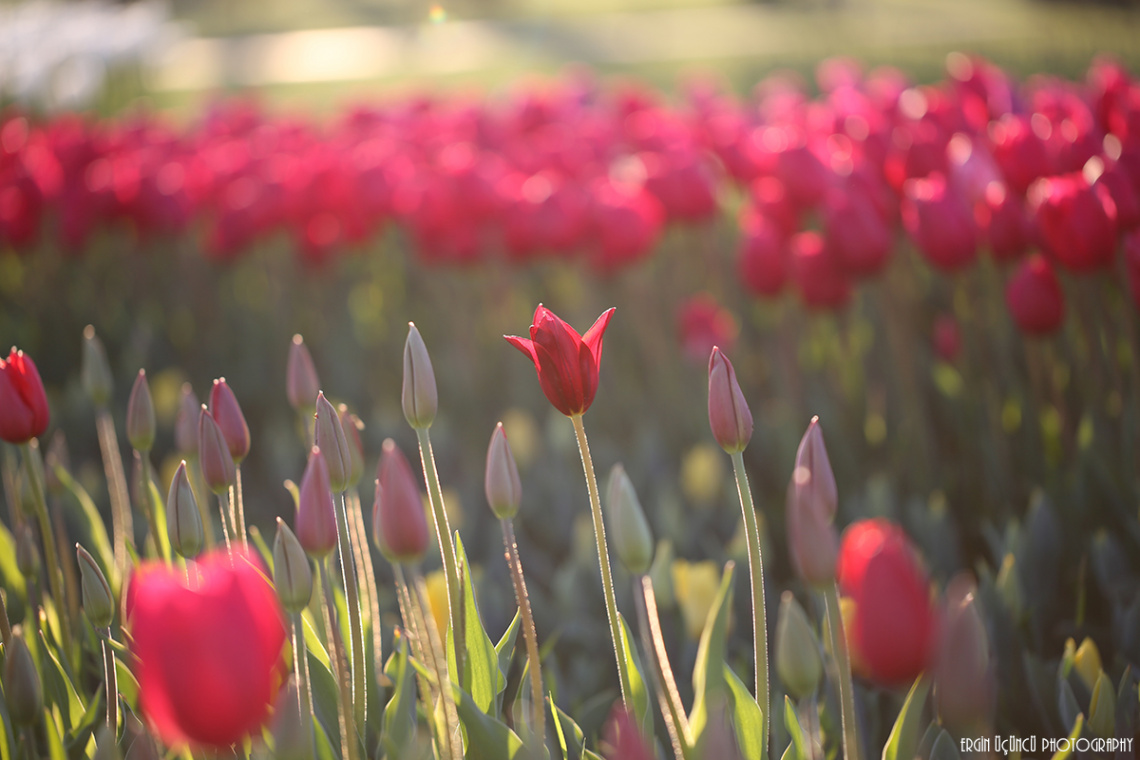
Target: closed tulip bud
95 371
964 681
812 502
352 427
27 555
729 416
661 573
292 574
798 660
97 600
1087 662
501 482
186 423
301 382
333 444
227 413
398 522
316 512
1102 708
183 520
140 415
419 394
22 688
632 537
214 454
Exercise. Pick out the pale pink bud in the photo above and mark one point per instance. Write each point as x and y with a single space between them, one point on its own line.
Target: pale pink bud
419 395
398 522
501 482
214 454
227 413
964 679
333 444
316 513
301 382
729 416
812 501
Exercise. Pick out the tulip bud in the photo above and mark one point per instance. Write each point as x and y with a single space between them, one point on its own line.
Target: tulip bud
27 555
398 522
183 520
812 501
1102 708
632 537
292 574
661 573
419 394
186 423
316 512
292 734
352 426
798 661
729 417
22 688
105 746
333 445
140 415
95 371
214 455
501 482
301 382
1087 662
964 684
97 600
227 413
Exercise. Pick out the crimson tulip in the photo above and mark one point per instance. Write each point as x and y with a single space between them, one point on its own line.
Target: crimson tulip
894 628
567 363
23 403
763 259
207 652
822 283
939 221
1035 298
1077 221
398 522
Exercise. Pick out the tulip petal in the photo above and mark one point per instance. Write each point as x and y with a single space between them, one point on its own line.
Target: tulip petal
593 336
523 344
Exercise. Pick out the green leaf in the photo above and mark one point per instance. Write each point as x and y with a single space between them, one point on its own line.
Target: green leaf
399 725
570 736
324 690
58 689
488 738
6 734
1075 734
798 746
505 651
54 742
76 740
1067 704
128 685
159 505
639 693
903 741
262 548
708 672
747 717
944 748
13 578
98 543
481 675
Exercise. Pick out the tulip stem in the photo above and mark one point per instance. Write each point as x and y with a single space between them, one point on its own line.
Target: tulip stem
453 739
603 557
446 547
112 684
122 522
51 555
352 602
756 575
843 665
225 522
301 671
147 497
5 626
538 702
348 739
416 635
200 491
672 709
239 509
365 570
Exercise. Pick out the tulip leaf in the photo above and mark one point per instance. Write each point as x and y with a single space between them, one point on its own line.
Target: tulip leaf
505 651
1067 704
480 673
399 725
747 717
263 548
6 734
313 641
128 685
76 740
51 730
708 672
58 688
488 738
97 540
944 748
1075 734
324 690
639 692
903 741
13 578
570 736
798 746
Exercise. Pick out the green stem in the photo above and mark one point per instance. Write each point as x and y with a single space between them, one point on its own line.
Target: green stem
200 490
112 684
51 554
301 672
529 632
5 626
148 502
843 665
446 546
225 522
415 632
367 571
756 575
603 557
352 601
348 740
672 709
453 740
239 517
122 521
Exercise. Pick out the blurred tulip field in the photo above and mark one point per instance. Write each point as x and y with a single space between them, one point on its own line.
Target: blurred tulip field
250 508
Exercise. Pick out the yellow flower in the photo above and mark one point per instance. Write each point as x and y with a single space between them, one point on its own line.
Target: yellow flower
1087 662
694 586
436 584
703 474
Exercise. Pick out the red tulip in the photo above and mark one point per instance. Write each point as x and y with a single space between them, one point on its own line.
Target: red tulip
23 403
703 323
860 237
1003 222
939 222
895 625
315 525
567 363
763 258
1077 222
1035 298
227 413
623 739
208 653
398 522
821 281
